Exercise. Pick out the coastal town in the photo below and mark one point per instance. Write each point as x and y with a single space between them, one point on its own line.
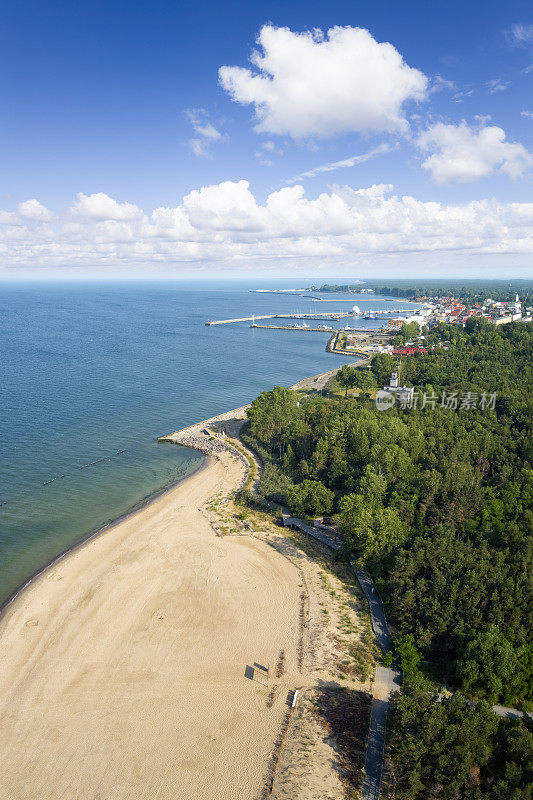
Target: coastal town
456 312
351 339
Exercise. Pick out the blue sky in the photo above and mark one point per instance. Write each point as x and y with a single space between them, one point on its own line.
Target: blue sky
125 100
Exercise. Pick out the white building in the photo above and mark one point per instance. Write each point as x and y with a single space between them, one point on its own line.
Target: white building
404 394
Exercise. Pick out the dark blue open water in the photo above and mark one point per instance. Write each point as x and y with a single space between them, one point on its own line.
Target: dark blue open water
92 374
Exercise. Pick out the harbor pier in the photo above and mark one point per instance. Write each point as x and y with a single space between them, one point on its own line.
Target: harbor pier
317 315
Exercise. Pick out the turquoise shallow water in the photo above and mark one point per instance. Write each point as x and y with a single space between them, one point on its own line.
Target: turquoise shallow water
92 374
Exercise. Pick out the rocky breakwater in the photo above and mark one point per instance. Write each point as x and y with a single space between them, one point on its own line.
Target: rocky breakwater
211 439
209 443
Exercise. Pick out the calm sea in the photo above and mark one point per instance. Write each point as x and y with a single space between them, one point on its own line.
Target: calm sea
92 374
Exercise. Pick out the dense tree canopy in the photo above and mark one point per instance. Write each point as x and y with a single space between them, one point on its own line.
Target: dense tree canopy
468 291
364 379
310 498
436 500
454 750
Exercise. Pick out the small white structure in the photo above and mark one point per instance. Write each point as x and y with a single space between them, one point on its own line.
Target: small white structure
404 394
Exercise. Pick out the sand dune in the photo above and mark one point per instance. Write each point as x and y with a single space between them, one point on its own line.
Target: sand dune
122 669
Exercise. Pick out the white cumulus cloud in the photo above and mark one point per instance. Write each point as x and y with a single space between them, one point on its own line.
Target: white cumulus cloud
225 225
32 209
461 154
227 206
100 206
316 84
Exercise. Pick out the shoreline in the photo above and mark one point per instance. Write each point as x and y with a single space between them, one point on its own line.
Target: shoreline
116 653
145 503
39 573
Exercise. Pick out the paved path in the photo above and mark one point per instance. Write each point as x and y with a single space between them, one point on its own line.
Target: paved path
511 713
375 747
386 682
377 612
321 536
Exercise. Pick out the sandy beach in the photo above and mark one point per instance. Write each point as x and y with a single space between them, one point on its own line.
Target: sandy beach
123 668
135 667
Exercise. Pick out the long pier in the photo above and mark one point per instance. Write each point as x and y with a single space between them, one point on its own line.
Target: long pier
326 315
303 294
334 316
239 319
345 300
362 300
292 328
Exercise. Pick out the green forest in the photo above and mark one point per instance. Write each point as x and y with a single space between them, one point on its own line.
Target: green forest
436 502
468 291
454 750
